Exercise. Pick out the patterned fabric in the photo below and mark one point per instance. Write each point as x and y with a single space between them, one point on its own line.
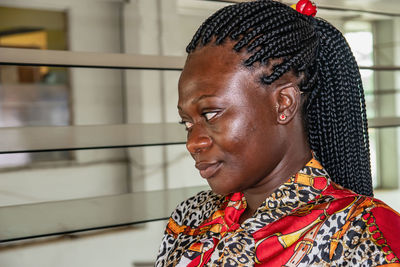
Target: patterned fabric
307 221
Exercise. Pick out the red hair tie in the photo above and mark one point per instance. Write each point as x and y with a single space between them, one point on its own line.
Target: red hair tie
305 7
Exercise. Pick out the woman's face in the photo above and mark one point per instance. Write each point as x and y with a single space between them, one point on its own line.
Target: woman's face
233 134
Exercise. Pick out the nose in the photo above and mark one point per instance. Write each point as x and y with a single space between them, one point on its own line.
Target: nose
198 140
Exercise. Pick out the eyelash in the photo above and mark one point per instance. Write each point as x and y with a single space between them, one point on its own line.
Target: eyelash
184 123
204 114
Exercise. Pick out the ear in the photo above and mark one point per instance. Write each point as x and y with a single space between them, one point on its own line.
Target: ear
287 99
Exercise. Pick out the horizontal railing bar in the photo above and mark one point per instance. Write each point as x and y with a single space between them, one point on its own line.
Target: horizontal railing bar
380 68
36 57
324 8
78 215
59 58
65 138
92 147
360 10
384 122
383 92
77 231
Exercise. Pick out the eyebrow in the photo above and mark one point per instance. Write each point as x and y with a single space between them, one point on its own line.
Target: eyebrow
196 100
202 97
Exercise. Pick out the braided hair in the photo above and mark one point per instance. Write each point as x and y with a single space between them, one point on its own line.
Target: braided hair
334 108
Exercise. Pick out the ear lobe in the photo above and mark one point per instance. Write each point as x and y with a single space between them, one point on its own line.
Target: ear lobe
287 102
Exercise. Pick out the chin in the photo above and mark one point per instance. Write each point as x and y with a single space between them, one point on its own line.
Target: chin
224 184
220 189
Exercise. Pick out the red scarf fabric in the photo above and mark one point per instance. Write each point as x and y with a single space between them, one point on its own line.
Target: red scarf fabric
308 216
224 221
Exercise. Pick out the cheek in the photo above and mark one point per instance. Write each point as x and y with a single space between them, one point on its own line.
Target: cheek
239 144
235 134
253 142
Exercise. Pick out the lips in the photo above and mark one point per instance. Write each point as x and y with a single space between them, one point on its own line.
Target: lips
208 169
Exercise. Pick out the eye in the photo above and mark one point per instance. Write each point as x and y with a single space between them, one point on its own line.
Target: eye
187 124
209 115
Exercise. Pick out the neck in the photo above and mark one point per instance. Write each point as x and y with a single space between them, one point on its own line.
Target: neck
295 157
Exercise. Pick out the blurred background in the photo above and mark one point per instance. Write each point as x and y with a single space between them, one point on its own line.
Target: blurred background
101 202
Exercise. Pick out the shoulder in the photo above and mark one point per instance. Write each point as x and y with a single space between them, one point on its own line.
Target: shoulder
383 224
357 229
365 224
194 210
378 225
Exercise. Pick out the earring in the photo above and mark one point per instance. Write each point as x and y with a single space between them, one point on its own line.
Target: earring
282 117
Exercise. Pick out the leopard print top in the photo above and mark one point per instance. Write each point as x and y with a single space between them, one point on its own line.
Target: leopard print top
307 221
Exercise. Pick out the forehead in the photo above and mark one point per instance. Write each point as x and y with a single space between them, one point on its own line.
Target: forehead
214 57
212 70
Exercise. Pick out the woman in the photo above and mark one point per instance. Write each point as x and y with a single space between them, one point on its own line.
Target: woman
268 96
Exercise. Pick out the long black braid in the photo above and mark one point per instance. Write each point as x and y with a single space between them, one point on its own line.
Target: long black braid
335 107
